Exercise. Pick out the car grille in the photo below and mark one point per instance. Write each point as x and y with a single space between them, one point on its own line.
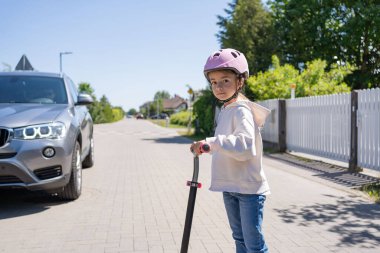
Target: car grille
7 155
47 173
4 136
9 180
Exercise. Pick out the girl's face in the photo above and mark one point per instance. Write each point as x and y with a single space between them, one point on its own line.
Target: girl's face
224 84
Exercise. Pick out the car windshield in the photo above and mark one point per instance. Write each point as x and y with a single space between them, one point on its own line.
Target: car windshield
32 89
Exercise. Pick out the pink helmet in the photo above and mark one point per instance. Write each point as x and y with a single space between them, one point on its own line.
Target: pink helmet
227 59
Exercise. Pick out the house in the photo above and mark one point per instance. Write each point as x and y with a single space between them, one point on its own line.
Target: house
175 104
169 106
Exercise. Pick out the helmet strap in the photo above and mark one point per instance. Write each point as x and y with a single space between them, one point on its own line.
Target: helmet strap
230 98
235 95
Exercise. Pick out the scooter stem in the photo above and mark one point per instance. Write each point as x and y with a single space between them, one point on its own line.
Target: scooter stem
194 185
196 168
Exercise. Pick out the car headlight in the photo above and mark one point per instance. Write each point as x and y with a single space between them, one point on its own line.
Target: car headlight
56 130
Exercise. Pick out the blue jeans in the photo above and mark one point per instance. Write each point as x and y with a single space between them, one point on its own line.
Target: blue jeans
245 215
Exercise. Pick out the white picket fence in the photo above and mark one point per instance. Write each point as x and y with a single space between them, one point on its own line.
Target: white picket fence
321 126
369 128
270 131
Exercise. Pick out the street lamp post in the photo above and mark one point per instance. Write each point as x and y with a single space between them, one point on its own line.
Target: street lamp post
60 60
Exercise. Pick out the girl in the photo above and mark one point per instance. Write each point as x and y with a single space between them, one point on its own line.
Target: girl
237 150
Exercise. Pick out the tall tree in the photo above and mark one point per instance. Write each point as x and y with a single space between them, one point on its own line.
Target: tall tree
362 41
157 106
161 95
132 111
337 31
248 28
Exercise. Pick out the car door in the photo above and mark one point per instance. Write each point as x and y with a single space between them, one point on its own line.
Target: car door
83 118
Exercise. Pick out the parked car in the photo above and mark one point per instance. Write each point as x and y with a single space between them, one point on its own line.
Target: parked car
46 133
160 116
139 116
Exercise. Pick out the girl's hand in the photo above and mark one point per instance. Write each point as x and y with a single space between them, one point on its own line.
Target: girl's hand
196 147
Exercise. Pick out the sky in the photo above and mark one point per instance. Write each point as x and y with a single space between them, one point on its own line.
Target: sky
127 50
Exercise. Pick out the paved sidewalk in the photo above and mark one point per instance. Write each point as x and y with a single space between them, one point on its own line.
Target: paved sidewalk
134 200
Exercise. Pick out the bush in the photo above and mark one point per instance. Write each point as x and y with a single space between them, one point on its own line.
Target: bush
180 118
101 111
204 111
118 113
316 79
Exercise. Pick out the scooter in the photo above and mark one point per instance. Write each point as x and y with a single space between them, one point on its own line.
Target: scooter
194 185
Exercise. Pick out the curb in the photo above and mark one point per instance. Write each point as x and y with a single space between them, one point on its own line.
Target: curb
333 173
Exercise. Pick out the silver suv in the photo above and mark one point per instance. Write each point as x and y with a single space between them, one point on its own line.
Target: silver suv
46 133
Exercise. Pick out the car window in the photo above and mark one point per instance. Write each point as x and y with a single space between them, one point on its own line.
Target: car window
73 89
32 89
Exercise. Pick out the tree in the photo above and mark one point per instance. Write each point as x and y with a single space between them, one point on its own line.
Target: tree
248 28
157 105
86 88
161 95
362 41
132 111
101 111
337 31
106 109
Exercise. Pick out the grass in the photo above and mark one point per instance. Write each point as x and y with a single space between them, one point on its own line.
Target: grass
270 150
373 190
182 130
191 135
162 122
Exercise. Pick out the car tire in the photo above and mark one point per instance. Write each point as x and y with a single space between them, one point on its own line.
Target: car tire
73 189
88 162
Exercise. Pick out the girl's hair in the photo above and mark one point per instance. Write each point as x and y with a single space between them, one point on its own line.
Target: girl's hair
241 90
241 95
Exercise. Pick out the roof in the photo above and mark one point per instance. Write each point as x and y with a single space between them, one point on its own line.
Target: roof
173 103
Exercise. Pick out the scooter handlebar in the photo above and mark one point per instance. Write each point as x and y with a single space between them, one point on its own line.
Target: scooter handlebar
205 148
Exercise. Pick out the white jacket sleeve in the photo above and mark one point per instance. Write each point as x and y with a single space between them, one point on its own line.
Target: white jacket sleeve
239 145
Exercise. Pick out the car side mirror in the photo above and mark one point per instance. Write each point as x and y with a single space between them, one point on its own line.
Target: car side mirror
84 99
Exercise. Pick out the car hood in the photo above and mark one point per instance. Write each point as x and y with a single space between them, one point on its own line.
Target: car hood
18 115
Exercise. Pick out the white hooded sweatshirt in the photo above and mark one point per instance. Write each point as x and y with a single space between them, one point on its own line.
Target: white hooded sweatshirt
237 149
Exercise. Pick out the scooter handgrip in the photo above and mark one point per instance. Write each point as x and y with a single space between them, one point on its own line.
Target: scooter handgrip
205 148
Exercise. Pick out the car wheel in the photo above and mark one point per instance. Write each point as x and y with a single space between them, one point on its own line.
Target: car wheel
73 189
88 162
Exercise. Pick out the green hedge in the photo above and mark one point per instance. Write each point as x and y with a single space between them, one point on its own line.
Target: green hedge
204 111
180 118
118 114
